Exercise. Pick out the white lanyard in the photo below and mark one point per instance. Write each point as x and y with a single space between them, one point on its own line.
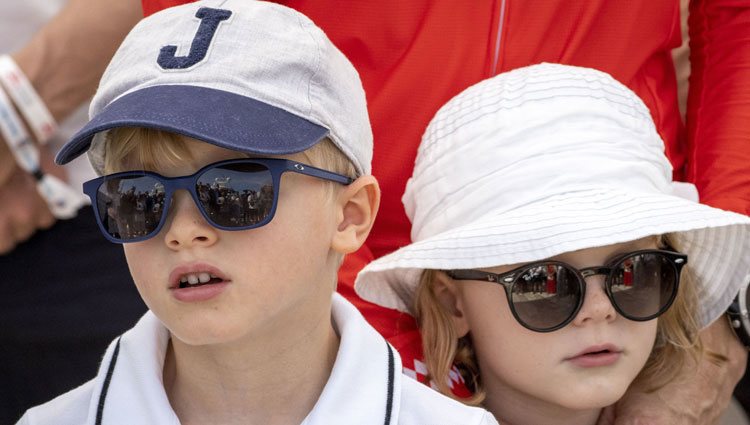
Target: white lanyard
62 200
32 107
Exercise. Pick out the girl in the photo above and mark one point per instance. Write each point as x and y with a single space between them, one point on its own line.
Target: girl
552 260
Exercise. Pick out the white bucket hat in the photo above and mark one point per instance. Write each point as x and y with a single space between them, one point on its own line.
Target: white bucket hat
544 160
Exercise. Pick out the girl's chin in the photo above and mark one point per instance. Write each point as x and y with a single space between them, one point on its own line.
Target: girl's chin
591 400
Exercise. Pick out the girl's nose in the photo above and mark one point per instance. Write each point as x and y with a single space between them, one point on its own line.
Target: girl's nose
596 304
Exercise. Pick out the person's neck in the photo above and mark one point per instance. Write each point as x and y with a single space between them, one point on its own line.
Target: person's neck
271 379
512 407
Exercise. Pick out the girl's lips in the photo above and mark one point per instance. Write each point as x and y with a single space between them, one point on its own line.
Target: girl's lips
596 356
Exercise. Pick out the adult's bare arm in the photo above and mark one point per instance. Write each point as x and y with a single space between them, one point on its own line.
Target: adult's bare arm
64 61
66 58
698 396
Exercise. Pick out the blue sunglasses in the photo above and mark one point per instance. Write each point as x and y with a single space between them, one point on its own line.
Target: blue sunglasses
237 194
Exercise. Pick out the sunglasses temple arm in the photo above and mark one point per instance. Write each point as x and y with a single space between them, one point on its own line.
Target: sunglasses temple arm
320 173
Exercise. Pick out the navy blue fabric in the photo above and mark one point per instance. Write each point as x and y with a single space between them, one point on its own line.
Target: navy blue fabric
67 294
218 117
210 20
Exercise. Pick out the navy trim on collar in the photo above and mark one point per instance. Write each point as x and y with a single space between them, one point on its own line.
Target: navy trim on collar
105 386
389 399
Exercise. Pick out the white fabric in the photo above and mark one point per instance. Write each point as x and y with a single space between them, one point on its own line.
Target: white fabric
266 51
19 20
355 392
544 160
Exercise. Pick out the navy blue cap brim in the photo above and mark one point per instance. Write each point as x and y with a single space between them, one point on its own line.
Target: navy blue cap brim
222 118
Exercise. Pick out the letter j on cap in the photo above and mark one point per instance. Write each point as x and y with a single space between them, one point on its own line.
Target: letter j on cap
210 20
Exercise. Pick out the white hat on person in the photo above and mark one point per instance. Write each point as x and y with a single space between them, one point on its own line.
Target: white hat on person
544 160
251 76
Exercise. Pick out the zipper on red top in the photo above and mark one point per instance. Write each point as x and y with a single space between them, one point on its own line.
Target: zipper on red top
498 39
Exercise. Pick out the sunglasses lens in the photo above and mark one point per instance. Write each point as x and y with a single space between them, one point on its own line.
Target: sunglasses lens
643 285
545 296
130 207
237 194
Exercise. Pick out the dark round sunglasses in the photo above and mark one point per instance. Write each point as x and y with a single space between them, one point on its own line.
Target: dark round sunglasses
236 194
546 295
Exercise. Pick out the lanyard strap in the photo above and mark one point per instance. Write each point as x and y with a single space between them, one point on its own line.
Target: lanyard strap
15 135
61 199
32 107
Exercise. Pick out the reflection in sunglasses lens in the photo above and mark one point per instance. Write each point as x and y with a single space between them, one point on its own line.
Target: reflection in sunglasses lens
236 195
231 195
545 295
643 284
130 207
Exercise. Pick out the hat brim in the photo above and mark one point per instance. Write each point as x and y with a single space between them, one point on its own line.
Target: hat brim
221 118
715 241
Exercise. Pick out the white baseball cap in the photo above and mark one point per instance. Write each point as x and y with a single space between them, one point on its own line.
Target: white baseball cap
544 160
250 76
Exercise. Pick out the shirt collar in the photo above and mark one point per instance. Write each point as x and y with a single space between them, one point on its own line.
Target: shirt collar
363 383
357 390
135 392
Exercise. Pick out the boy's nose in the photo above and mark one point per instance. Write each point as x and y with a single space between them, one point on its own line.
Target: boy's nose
596 305
186 227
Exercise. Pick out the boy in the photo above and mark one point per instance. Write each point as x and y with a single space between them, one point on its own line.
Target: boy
202 105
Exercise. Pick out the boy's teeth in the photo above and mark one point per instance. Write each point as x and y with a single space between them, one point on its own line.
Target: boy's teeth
194 279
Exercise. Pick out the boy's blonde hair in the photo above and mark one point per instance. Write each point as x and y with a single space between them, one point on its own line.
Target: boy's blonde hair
677 341
149 149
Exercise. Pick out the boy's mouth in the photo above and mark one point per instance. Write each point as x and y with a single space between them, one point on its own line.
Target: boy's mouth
192 275
190 280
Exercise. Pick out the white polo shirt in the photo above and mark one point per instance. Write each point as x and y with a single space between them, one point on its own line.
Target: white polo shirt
366 386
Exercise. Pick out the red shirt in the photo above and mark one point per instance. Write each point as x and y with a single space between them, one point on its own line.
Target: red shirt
414 55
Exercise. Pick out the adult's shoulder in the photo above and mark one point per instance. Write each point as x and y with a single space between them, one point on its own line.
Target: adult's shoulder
421 404
69 408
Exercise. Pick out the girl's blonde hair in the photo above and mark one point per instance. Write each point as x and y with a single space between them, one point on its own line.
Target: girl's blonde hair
677 341
145 148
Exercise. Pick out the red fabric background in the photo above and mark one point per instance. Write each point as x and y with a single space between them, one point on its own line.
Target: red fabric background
414 55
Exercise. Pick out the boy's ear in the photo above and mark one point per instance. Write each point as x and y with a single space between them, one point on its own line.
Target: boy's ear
448 295
357 205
